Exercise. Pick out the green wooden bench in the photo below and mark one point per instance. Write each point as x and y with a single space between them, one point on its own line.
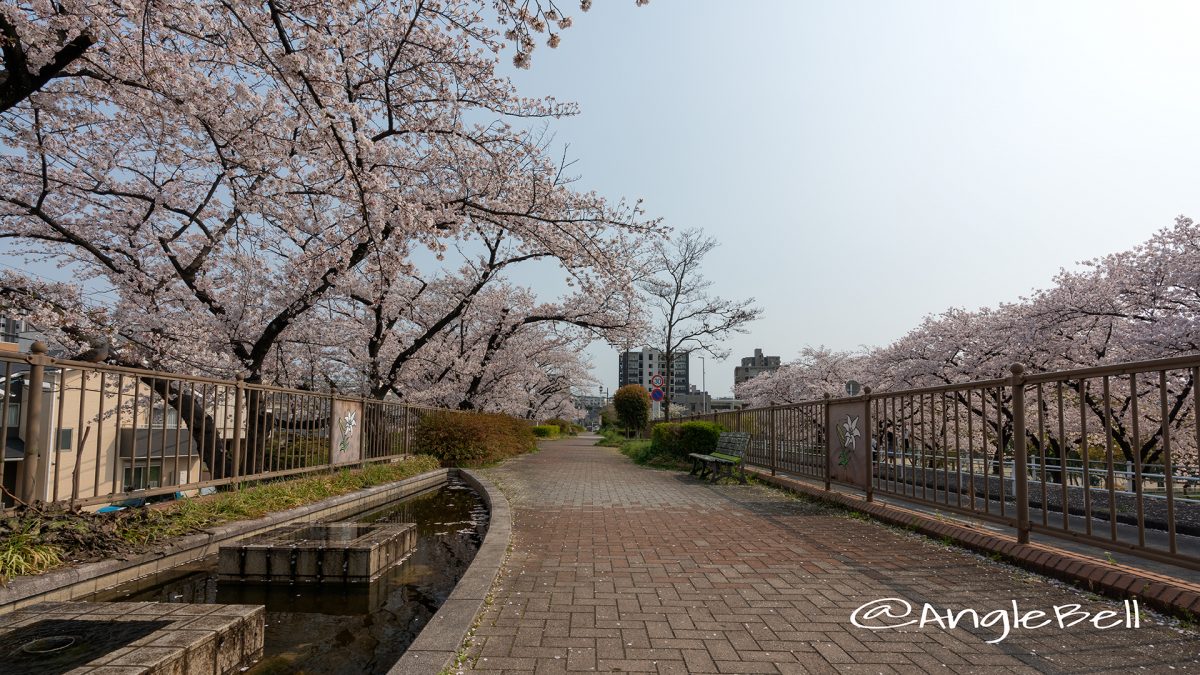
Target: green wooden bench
729 455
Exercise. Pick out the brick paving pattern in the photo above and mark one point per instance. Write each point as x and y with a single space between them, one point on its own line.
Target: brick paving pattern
617 568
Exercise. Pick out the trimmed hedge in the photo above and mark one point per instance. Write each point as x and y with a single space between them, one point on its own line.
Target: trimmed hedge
472 439
677 439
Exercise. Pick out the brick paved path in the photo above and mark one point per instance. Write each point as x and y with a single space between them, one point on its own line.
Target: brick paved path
616 568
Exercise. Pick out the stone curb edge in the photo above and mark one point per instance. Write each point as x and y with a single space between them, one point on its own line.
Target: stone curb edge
438 643
1168 595
87 578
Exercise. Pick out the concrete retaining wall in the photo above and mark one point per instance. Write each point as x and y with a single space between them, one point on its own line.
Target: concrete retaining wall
435 648
77 582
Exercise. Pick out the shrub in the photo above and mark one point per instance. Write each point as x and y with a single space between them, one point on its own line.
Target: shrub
699 436
633 406
664 438
471 439
678 439
546 430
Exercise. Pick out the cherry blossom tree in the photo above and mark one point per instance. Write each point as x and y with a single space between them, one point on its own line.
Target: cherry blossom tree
239 174
817 371
38 41
1134 305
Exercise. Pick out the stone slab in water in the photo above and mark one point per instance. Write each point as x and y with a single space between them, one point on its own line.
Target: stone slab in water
308 553
130 638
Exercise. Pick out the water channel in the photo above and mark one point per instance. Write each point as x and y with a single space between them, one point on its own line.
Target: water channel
344 628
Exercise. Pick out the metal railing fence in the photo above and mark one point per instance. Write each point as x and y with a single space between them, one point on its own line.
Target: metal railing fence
1107 455
88 433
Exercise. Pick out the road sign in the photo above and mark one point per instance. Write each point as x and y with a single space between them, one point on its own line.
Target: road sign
656 381
853 388
656 394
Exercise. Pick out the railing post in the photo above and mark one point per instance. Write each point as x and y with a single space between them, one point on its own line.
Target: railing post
825 441
364 442
405 441
774 440
33 483
1020 460
238 413
871 439
333 423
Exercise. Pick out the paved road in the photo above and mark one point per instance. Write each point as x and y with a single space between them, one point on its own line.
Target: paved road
616 568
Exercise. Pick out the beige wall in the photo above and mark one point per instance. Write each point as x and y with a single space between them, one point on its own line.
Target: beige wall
79 408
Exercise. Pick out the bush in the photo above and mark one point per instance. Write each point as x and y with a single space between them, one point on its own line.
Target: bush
678 439
664 438
632 403
472 439
699 436
546 430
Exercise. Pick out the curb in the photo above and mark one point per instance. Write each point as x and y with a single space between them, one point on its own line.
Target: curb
438 644
1166 594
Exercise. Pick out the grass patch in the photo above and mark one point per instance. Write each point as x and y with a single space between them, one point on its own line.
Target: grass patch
22 552
37 539
611 438
643 453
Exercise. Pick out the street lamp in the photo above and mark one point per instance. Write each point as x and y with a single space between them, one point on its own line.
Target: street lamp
703 386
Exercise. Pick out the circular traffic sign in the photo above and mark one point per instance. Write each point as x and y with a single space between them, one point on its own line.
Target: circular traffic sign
657 394
656 381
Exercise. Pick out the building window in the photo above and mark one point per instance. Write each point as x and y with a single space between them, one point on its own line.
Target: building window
66 438
14 415
10 330
171 415
142 477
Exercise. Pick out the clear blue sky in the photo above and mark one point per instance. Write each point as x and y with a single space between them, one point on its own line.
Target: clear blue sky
867 163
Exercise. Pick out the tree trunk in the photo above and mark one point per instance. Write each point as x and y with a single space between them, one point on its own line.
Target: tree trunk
202 427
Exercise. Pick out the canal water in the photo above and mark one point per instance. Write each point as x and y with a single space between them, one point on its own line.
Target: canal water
344 628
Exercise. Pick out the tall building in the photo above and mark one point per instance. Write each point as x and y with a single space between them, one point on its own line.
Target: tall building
638 367
17 332
752 366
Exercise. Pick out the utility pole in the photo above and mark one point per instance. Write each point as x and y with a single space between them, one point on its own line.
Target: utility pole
703 385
